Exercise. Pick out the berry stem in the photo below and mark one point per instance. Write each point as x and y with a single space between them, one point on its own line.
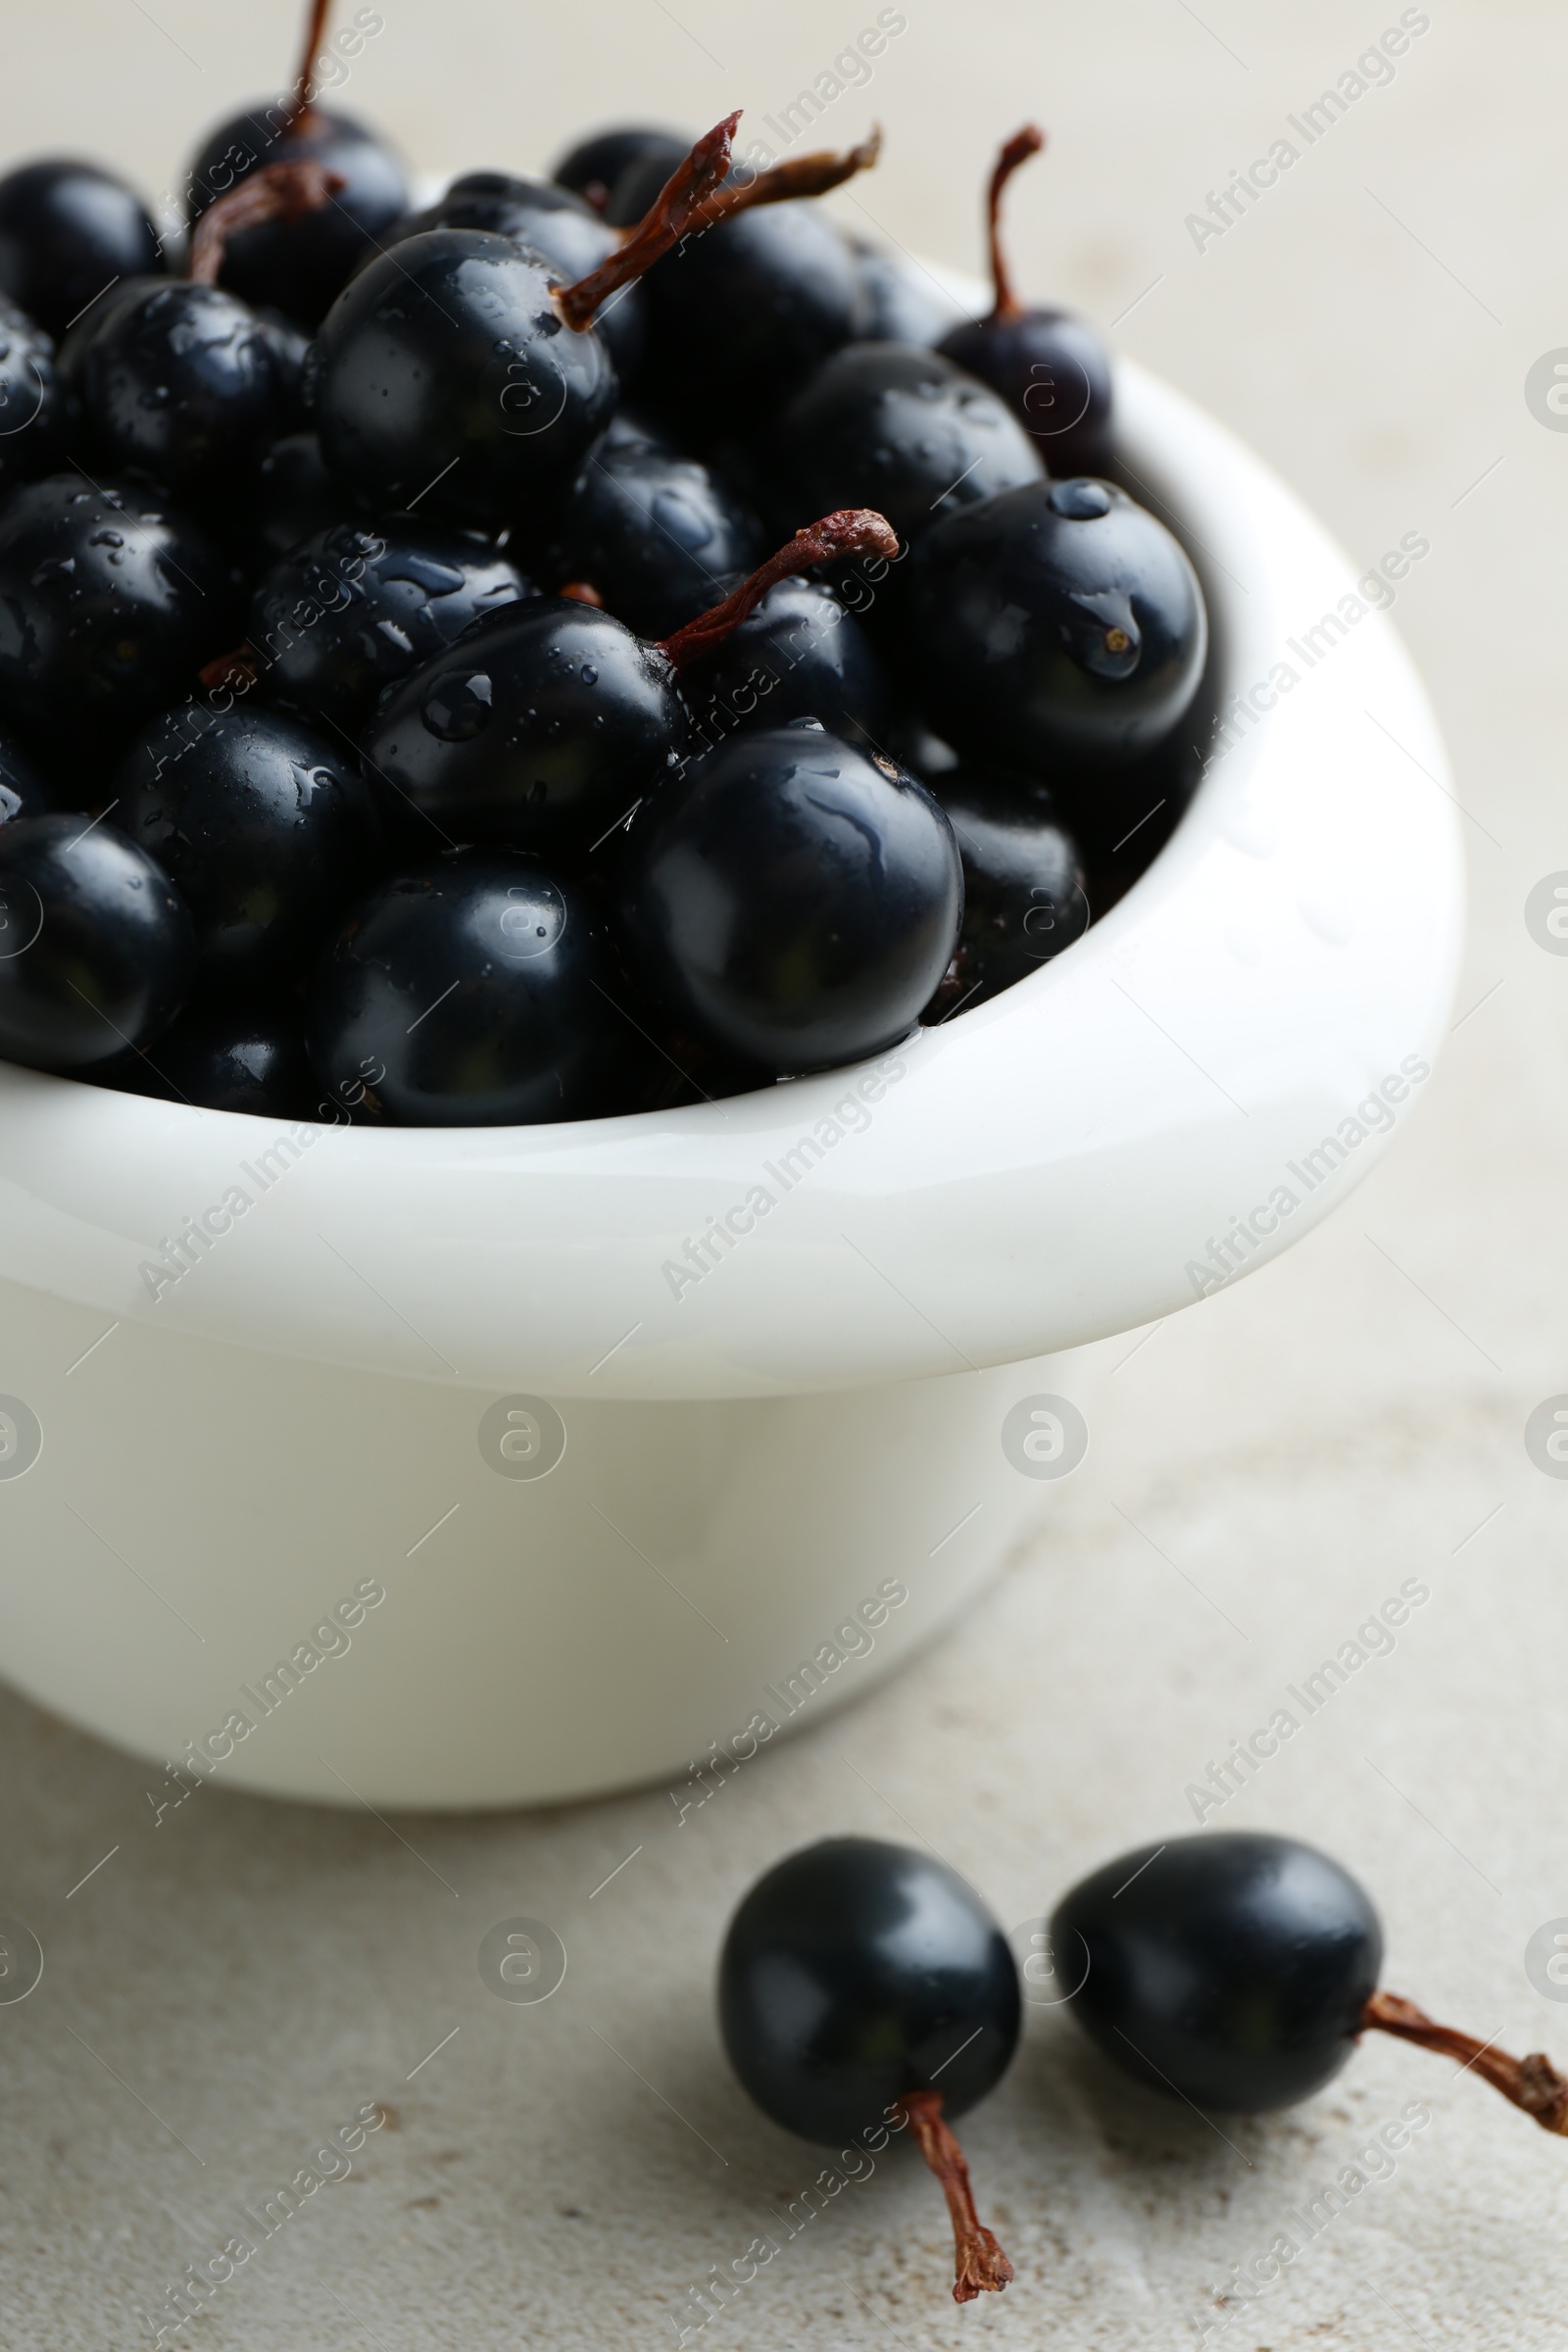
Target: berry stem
304 96
1532 2082
805 176
1020 148
237 670
276 192
850 531
979 2265
664 222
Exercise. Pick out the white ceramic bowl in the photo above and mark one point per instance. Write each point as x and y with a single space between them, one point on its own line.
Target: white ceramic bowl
754 1446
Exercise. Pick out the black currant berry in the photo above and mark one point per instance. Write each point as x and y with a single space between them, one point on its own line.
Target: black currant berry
448 382
1229 1970
1237 1970
177 378
458 373
747 311
109 600
542 731
353 610
96 948
903 303
669 1069
1057 621
550 221
1123 818
753 298
592 167
224 1058
290 496
864 1988
1051 368
29 399
265 828
478 994
830 890
68 231
298 265
903 430
180 384
828 905
1024 897
22 790
291 347
800 653
653 532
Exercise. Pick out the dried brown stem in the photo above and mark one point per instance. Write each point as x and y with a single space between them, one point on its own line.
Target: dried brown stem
979 2266
304 84
803 175
276 192
664 222
1533 2083
1020 148
850 531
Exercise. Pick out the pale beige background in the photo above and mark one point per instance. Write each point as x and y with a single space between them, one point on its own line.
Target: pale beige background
1265 1469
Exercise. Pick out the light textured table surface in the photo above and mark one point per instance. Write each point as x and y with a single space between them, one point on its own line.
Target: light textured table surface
235 1982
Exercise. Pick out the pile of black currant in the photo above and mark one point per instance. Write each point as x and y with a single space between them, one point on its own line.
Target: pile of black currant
864 1989
401 716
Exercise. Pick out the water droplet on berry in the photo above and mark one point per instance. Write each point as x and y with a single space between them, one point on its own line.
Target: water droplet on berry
457 710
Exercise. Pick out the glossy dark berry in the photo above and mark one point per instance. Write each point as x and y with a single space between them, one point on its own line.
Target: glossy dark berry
22 790
669 1069
477 994
855 1972
264 826
1230 1970
592 167
1238 1971
1123 818
653 531
299 266
791 897
903 430
509 206
742 313
541 730
903 303
109 600
1057 621
290 347
67 231
1054 373
1024 897
457 368
866 1989
175 382
96 949
446 378
354 610
225 1058
29 399
800 653
550 221
1052 369
290 496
